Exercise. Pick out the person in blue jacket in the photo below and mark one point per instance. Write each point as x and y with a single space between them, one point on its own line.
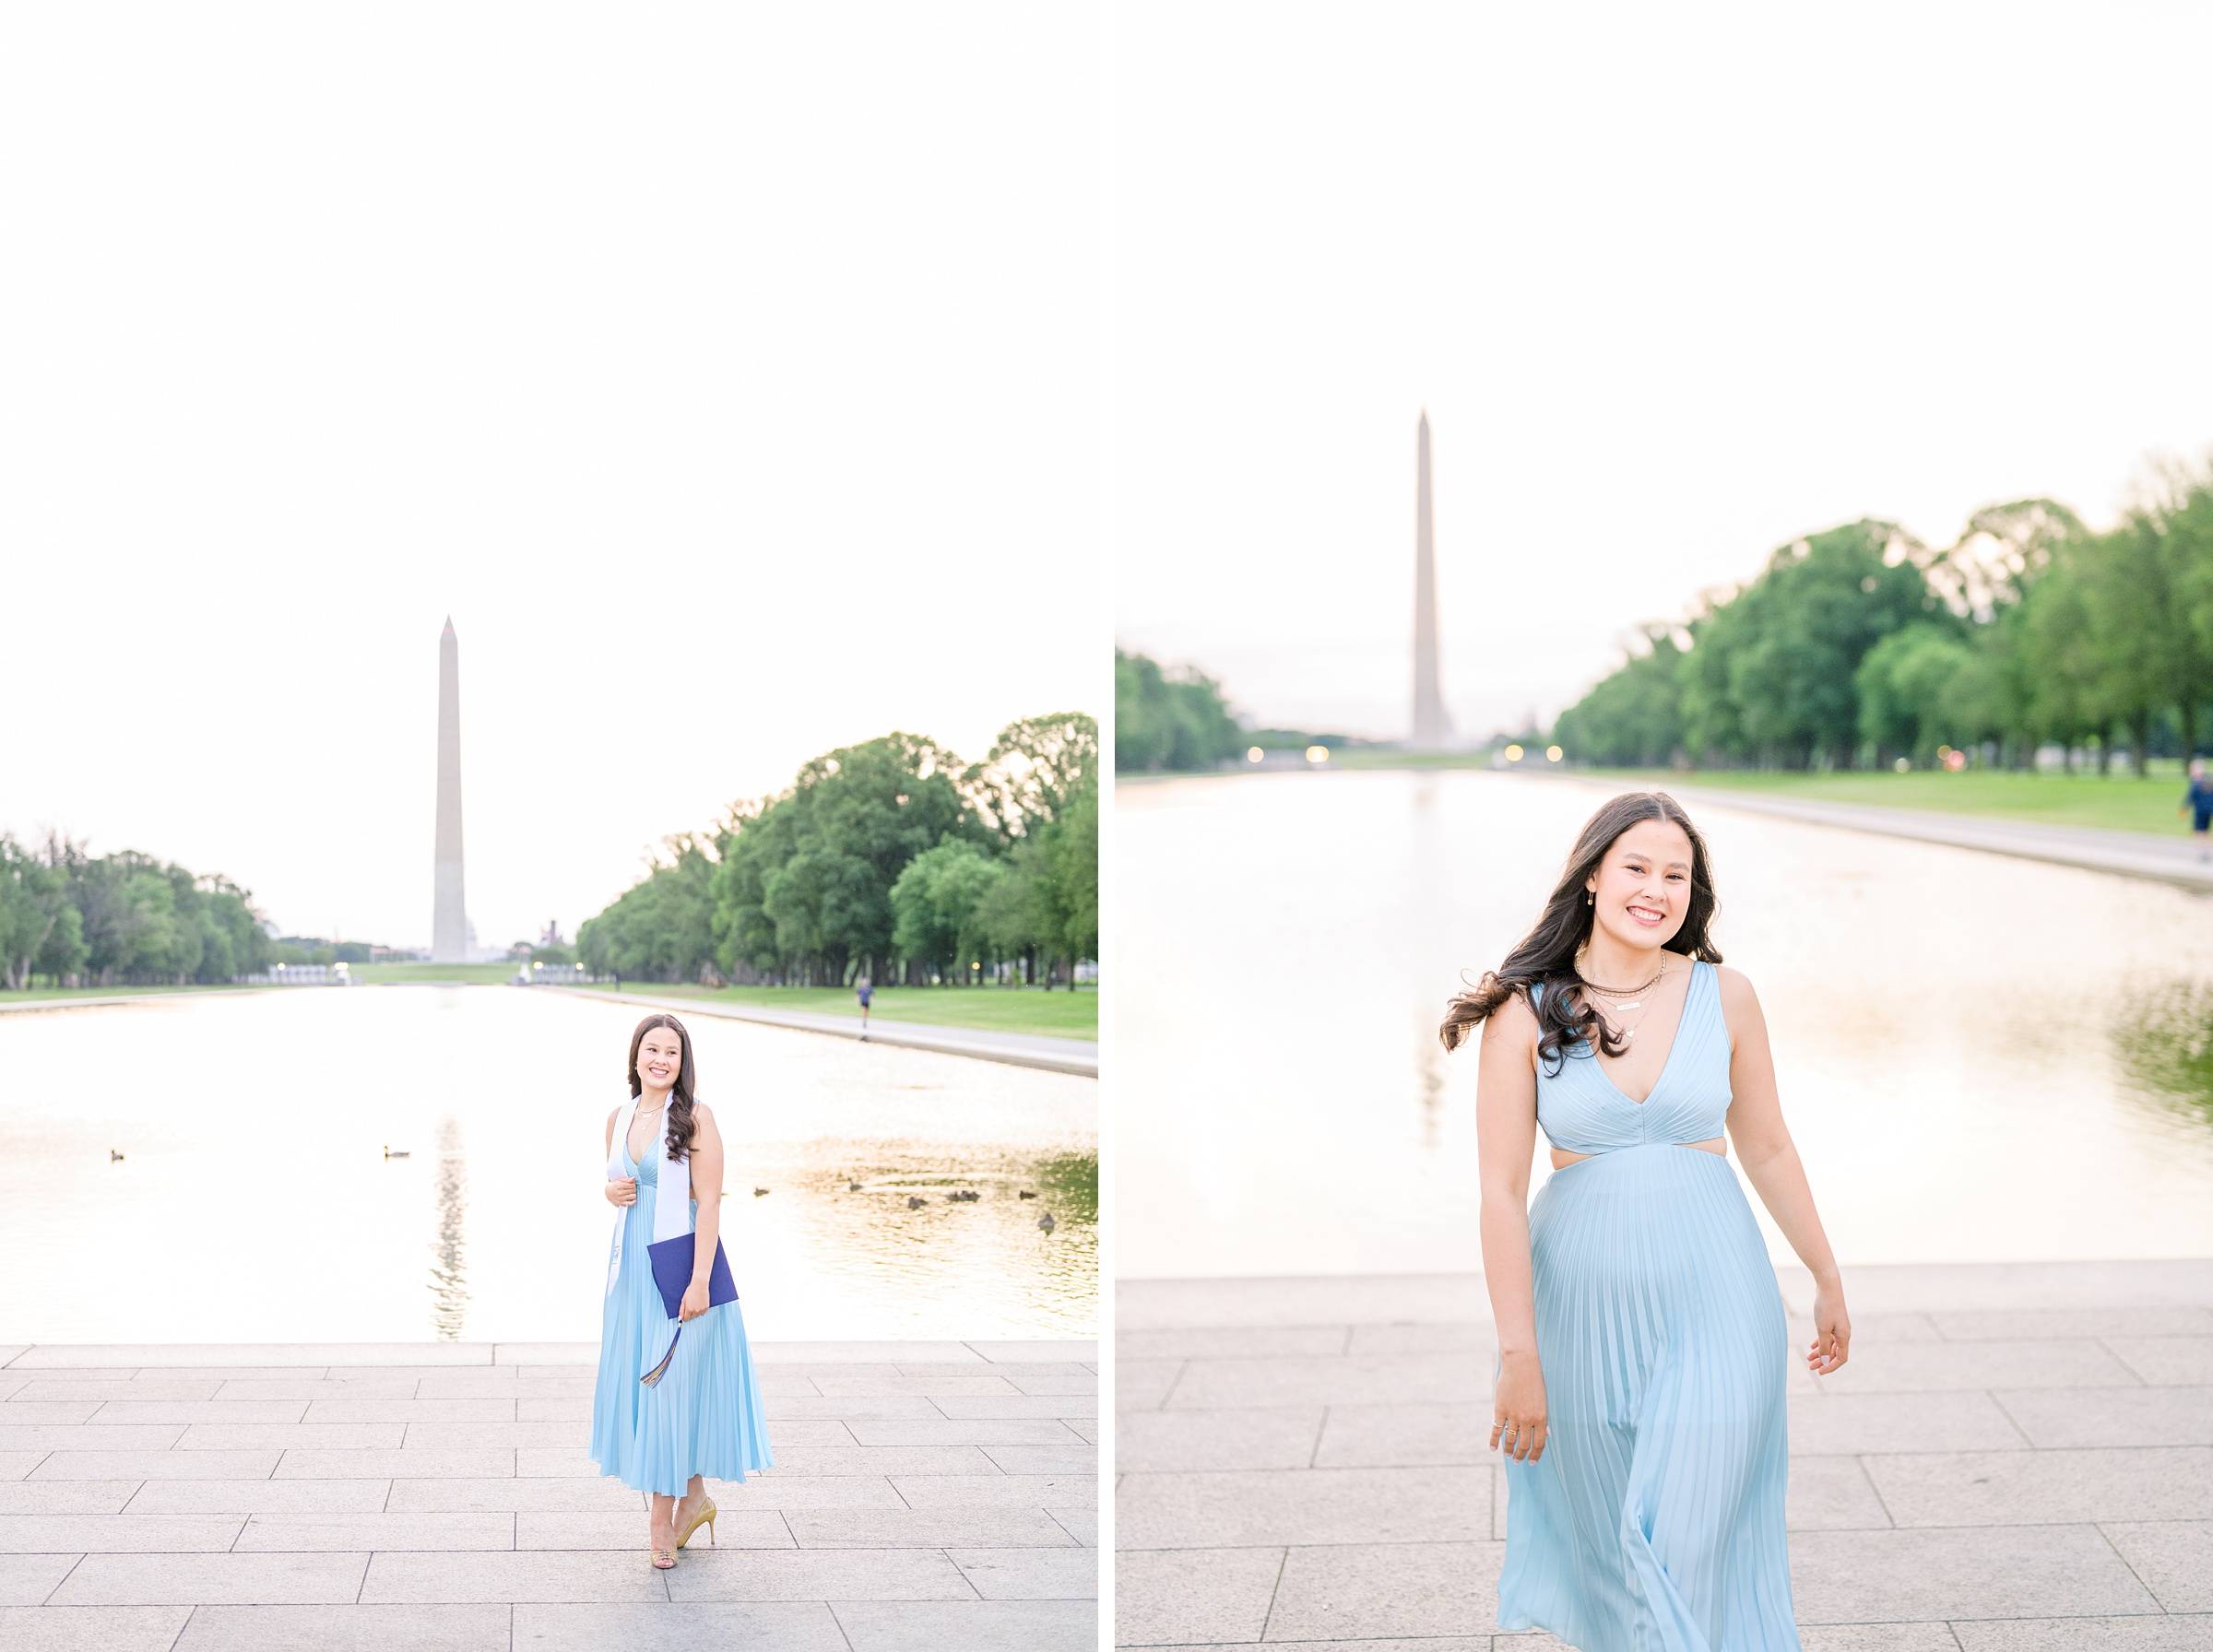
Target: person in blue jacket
2198 800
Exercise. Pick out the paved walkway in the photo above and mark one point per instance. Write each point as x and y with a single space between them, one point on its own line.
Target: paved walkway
2017 1460
2131 853
1076 1055
405 1497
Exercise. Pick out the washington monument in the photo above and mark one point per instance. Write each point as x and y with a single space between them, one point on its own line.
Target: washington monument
449 914
1432 729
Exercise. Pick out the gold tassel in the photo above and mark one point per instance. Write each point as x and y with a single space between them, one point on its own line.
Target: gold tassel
652 1378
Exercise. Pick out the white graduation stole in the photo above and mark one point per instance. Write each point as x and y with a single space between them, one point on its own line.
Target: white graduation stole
672 1197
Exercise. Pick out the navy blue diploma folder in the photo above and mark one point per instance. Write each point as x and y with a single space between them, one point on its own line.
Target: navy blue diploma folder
672 1261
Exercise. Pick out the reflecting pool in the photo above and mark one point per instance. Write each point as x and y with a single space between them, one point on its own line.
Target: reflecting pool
1981 1058
254 1201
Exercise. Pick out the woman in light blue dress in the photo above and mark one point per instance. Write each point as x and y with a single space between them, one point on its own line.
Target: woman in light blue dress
1642 1346
701 1415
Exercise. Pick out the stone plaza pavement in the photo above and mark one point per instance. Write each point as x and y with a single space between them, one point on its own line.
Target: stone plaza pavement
2017 1459
437 1495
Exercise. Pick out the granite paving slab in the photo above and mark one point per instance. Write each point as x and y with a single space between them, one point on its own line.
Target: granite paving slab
2018 1455
91 1628
1050 1574
760 1626
973 1625
437 1628
1010 1490
2143 1416
440 1496
1082 1524
2173 1559
2192 1633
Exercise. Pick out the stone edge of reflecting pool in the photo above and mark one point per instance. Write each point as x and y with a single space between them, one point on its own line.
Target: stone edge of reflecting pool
980 1353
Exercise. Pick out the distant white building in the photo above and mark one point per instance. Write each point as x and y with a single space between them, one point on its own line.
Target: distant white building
300 974
551 975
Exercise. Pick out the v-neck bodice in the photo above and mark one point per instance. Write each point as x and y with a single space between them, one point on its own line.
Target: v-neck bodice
648 1170
1583 1111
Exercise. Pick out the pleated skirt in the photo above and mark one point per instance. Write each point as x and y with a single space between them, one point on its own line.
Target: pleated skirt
704 1416
1654 1522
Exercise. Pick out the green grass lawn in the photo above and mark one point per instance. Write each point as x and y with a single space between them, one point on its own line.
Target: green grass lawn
112 992
1057 1014
411 975
2121 802
2124 803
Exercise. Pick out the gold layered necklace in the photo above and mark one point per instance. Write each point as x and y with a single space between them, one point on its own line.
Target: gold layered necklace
1623 999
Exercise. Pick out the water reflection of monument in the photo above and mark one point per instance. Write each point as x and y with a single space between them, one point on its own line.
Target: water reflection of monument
1427 863
449 1259
1428 868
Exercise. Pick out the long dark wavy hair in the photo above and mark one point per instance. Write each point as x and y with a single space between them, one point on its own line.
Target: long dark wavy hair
681 1126
1542 969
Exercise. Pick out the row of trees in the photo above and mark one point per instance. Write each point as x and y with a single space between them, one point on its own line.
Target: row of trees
1166 720
891 858
80 919
1861 645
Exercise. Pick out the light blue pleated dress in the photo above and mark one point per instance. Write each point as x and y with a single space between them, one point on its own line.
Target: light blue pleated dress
1653 1522
705 1415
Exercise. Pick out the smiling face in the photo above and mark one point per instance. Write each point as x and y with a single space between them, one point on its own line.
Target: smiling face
661 1059
1641 891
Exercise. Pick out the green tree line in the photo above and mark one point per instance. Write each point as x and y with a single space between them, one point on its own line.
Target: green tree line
1169 720
78 919
893 859
1861 645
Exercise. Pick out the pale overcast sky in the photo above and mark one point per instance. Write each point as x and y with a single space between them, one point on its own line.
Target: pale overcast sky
1676 285
731 376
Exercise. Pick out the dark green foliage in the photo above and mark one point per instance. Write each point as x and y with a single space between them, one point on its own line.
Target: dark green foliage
1770 677
660 929
1165 721
889 858
940 903
121 919
1859 646
805 884
1907 685
1633 718
1050 903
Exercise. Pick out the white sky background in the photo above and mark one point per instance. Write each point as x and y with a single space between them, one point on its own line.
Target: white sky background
1676 285
733 377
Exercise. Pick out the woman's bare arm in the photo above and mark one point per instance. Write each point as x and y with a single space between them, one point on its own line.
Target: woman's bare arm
1506 1141
1771 1164
706 1189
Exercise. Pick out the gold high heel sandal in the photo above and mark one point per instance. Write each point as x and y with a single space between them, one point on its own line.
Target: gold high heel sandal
659 1563
706 1513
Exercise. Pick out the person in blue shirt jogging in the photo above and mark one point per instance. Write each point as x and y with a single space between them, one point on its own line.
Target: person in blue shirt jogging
2198 800
864 991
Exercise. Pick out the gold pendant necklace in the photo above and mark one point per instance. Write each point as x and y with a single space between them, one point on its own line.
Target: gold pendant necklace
1633 995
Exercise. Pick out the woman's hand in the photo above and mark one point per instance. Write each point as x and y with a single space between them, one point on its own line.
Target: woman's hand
695 1302
1518 1408
621 1190
1832 1331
